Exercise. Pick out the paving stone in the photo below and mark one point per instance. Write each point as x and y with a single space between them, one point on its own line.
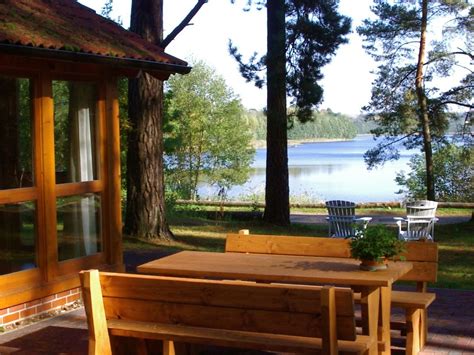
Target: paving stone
451 329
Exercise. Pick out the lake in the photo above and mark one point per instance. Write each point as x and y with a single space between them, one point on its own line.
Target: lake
327 171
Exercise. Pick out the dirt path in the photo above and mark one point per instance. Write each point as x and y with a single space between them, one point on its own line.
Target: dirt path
321 219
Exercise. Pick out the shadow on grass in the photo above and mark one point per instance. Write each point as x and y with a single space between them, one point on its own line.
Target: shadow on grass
201 243
455 234
456 269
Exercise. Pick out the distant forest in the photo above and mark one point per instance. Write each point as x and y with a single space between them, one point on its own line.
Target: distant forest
325 125
328 125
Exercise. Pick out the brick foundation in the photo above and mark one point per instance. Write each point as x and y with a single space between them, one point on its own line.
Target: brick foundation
37 307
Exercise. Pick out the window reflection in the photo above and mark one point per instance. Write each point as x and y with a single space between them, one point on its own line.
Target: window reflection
15 133
75 131
79 226
17 237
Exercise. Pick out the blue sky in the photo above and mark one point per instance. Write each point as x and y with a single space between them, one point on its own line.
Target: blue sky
347 78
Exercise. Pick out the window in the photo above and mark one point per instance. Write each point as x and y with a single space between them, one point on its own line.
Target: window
76 160
15 134
17 206
75 127
78 226
17 237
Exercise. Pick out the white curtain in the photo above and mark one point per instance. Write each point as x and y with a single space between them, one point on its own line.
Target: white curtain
82 164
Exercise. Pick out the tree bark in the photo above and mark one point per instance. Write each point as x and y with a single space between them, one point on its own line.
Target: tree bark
277 210
145 212
423 105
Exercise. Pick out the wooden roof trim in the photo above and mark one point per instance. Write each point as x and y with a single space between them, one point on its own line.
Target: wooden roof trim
114 62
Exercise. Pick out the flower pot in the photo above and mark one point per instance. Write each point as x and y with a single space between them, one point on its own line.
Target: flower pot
373 265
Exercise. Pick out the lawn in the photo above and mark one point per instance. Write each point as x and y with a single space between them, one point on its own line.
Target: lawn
195 232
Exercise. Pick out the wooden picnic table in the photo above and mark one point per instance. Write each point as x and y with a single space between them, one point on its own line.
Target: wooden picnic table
375 287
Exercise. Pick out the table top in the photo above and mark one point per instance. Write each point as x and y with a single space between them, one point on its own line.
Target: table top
273 268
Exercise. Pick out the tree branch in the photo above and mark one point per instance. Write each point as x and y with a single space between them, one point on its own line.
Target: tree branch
452 102
398 139
177 30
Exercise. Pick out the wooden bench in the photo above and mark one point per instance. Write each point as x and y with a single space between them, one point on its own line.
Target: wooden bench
423 255
286 318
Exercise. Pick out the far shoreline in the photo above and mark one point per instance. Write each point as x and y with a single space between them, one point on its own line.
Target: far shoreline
261 143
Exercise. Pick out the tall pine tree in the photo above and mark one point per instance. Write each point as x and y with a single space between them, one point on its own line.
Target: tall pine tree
302 36
145 211
406 103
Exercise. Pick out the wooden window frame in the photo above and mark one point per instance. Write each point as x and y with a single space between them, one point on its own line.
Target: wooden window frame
52 276
67 267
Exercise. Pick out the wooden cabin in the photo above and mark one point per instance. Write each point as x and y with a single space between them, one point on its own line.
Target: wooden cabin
60 208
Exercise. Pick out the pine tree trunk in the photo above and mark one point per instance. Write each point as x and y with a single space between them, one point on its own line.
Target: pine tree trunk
423 106
145 212
277 208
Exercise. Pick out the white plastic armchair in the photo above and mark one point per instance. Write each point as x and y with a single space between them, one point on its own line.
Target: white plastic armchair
342 220
420 221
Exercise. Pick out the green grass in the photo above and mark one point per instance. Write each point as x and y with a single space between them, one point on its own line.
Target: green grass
390 211
192 232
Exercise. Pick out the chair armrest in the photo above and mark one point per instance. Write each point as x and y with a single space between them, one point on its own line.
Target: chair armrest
420 217
399 221
421 220
364 219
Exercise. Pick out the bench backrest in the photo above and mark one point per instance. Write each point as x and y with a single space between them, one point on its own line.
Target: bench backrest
288 245
268 308
423 255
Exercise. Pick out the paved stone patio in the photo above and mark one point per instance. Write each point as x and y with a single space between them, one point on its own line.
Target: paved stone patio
451 330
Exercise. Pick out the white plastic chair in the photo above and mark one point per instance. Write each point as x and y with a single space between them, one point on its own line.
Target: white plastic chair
342 220
419 222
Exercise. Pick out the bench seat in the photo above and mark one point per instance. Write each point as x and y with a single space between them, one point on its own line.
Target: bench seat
410 299
229 338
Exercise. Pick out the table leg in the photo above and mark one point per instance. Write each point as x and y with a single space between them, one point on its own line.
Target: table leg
384 318
370 299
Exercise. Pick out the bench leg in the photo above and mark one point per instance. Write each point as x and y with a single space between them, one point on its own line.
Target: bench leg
423 328
413 318
168 347
384 319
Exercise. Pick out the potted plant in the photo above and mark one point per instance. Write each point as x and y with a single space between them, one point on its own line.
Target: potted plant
374 246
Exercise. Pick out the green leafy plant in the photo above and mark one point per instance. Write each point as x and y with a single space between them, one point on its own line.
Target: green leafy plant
376 243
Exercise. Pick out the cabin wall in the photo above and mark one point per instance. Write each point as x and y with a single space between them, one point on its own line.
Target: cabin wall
60 208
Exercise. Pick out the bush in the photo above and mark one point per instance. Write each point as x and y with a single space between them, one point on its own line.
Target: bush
453 172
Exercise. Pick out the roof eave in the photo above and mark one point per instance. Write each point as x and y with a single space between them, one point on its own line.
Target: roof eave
126 63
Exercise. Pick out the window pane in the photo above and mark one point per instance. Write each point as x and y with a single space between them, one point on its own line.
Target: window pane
79 226
15 133
17 237
75 131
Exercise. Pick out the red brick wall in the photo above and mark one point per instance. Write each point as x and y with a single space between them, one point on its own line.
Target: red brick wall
35 308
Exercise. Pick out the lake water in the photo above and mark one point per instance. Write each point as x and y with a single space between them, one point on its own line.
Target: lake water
327 171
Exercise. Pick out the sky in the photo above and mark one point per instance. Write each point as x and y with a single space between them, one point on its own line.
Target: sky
347 81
